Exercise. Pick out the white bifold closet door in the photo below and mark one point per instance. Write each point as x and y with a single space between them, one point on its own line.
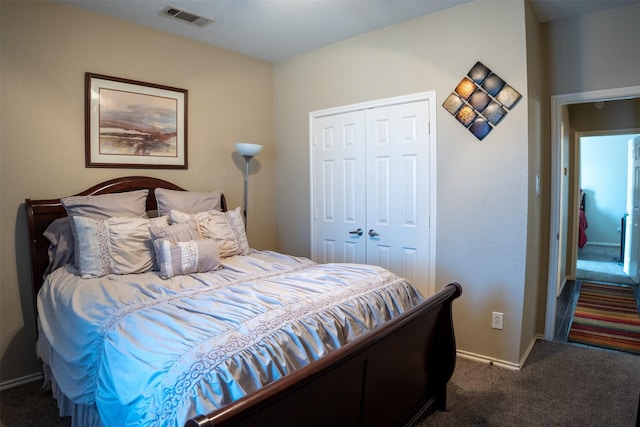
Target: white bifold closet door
371 189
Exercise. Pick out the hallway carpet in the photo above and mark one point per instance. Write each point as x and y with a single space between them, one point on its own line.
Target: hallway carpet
606 316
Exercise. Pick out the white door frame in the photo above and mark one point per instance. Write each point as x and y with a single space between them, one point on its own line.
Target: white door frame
557 102
632 236
421 96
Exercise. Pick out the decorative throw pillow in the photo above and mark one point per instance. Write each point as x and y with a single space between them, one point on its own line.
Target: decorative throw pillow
182 232
117 245
186 201
226 228
127 204
60 238
193 256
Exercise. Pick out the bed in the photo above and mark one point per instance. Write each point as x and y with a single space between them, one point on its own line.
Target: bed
225 337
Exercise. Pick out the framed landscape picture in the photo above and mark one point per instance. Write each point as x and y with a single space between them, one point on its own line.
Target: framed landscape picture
132 124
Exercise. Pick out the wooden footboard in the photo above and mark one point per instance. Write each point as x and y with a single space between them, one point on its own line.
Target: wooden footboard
396 375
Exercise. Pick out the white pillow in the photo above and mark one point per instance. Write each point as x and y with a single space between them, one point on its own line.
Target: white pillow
129 204
226 228
186 201
192 256
118 245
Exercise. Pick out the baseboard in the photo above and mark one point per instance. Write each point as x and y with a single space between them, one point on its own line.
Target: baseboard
489 361
501 363
5 385
527 352
603 244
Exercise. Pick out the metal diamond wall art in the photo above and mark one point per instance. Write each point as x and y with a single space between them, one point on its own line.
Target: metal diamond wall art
481 100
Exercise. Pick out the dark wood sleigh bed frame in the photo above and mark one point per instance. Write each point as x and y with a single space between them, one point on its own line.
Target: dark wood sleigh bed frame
395 375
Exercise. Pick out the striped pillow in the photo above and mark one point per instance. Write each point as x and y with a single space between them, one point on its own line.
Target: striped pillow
193 256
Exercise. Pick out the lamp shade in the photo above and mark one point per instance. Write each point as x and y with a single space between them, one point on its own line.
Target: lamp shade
247 149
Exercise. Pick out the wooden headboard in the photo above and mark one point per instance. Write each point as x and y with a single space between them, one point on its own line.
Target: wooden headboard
41 213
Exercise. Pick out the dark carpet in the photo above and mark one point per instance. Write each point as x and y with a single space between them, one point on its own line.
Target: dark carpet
30 406
561 384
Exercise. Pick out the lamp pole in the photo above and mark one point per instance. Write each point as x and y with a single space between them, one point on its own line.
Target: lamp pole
246 188
247 151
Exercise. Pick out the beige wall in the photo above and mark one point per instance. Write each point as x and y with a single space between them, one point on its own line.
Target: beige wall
596 51
482 187
46 49
534 303
622 114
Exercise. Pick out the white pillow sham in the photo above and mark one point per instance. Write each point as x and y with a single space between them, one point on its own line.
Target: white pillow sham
117 245
186 201
127 204
226 228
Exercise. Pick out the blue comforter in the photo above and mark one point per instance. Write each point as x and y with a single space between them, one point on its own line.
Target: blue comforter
152 352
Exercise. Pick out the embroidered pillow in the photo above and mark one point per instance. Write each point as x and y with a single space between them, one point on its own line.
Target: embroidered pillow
186 201
193 256
226 228
117 245
127 204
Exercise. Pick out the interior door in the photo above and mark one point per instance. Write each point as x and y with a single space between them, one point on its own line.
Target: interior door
339 188
563 223
632 230
398 189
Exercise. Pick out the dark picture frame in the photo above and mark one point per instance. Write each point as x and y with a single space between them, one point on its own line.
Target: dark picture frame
133 124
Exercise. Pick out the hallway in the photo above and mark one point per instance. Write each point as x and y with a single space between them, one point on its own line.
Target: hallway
596 263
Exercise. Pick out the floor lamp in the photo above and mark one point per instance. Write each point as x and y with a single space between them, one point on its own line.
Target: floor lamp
247 151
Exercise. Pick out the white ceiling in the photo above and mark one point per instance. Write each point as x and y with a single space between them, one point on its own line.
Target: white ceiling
275 30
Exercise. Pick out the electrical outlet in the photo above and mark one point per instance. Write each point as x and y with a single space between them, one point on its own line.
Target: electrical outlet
497 320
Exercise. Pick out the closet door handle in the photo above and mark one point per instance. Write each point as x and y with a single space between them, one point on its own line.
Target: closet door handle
373 233
359 232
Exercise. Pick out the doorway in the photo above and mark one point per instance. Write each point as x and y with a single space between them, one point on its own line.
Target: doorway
561 197
603 182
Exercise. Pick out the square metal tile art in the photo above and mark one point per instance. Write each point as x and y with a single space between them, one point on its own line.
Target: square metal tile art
481 100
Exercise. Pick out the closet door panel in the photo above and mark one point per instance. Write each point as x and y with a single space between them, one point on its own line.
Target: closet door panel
398 188
378 211
338 202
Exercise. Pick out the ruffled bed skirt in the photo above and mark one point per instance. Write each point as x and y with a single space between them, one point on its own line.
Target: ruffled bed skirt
81 415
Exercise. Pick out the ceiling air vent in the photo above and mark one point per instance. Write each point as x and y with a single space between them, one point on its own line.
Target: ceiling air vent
174 12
